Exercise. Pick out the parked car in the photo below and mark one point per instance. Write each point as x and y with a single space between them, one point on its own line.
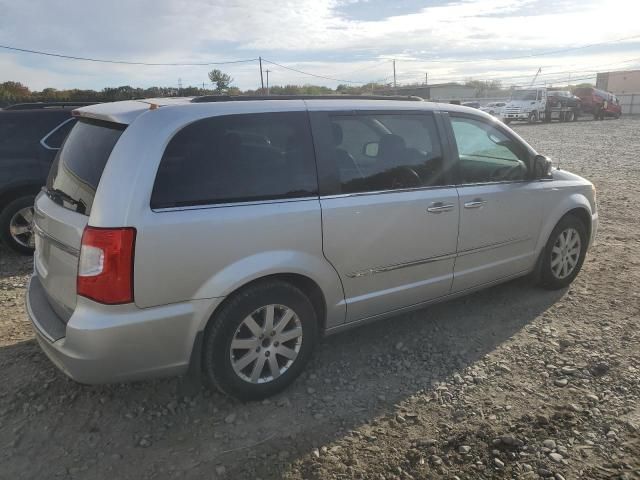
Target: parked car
30 137
472 104
225 235
494 108
599 103
570 105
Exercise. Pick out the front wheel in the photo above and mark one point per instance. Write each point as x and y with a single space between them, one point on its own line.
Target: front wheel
533 117
260 340
564 253
16 225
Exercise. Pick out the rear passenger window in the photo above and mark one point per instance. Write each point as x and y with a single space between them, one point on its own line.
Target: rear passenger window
237 158
376 152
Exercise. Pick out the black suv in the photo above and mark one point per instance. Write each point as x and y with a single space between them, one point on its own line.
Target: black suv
30 136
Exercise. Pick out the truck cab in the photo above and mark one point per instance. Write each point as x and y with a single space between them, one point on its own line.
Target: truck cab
526 104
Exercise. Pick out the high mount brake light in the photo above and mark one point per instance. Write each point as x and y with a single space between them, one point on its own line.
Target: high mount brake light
105 267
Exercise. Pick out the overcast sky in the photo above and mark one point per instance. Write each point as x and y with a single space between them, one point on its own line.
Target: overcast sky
343 39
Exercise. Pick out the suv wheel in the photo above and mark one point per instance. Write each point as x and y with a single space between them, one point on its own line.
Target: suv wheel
564 253
16 225
260 340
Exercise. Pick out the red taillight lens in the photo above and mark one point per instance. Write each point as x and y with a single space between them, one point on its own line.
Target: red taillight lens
105 269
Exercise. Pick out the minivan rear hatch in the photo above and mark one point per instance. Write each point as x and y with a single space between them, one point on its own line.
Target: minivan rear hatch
62 210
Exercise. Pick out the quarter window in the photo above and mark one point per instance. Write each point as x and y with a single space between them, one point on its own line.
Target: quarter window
486 154
237 158
375 152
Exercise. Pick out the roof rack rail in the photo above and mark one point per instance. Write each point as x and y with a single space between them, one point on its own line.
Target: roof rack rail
245 98
44 105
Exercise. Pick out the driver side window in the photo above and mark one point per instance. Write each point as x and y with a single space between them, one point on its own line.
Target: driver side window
486 154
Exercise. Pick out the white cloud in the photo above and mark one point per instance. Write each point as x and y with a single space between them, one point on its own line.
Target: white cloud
309 32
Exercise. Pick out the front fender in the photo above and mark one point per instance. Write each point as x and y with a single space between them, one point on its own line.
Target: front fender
559 210
263 264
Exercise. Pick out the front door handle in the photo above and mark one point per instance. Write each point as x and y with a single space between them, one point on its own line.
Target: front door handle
475 203
439 207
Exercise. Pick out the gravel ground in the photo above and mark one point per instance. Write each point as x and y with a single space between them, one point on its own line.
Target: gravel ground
511 382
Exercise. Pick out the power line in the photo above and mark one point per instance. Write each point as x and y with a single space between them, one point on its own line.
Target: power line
311 74
533 55
516 77
123 62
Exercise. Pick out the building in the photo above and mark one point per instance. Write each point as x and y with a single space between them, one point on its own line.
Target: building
441 91
619 82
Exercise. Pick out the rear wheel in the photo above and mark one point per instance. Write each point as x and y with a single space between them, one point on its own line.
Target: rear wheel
16 225
564 253
260 340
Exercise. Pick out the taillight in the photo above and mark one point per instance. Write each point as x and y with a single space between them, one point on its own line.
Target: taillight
105 269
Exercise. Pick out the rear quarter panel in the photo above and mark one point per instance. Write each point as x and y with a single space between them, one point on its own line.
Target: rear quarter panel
207 252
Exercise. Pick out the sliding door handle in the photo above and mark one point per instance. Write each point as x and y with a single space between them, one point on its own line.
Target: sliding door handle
475 203
439 207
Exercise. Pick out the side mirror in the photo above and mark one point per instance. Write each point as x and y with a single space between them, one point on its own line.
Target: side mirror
370 149
541 167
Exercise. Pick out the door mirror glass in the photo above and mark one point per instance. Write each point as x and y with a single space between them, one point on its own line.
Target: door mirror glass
371 149
541 167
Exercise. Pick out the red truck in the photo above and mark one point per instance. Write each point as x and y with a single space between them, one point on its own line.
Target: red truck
598 102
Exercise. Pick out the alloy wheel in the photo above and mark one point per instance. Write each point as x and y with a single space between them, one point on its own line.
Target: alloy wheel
266 344
565 253
21 227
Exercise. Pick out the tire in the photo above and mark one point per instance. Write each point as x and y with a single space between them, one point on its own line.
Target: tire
507 121
17 217
533 117
552 276
568 116
224 367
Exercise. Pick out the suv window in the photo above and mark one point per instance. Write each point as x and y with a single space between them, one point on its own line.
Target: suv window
56 137
237 158
485 153
21 131
78 166
375 152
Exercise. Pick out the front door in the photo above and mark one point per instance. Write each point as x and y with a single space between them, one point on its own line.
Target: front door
500 215
389 220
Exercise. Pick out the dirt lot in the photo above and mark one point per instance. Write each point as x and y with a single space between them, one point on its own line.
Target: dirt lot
512 382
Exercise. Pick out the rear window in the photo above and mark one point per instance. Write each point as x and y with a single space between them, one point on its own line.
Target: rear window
21 131
237 158
76 171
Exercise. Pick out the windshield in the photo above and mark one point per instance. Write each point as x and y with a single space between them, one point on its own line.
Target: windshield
77 169
524 95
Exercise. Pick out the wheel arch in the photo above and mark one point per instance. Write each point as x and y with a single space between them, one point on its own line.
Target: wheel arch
577 205
305 284
12 192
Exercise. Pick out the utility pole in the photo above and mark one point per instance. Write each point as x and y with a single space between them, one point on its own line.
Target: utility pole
267 70
261 78
426 78
394 73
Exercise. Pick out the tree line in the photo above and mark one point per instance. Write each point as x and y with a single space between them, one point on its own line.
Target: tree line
220 83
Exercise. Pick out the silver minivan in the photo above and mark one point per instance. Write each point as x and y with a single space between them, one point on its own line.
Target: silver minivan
226 235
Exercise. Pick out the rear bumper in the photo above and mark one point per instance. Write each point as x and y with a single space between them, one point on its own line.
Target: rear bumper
116 343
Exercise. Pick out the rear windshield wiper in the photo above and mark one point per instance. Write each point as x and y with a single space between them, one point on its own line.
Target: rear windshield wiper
57 194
